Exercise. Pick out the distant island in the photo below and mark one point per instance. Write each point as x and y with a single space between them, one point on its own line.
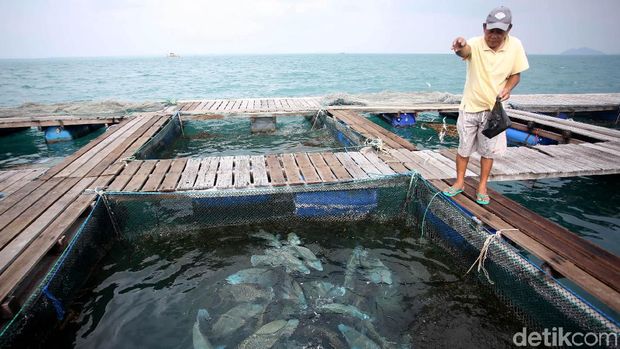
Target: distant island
582 51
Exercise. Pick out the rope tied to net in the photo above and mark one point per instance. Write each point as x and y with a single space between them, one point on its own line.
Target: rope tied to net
128 159
316 117
101 193
430 202
484 251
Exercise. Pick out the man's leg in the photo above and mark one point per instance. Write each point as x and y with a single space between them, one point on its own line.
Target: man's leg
461 166
485 169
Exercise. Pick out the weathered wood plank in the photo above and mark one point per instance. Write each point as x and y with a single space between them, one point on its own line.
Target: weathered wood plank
322 168
293 175
138 180
25 262
336 166
377 163
174 174
309 173
366 165
259 171
225 173
275 170
189 175
350 165
242 171
124 177
207 173
155 179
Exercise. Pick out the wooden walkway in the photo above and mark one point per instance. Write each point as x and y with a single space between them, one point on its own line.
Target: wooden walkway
250 105
45 121
38 216
12 180
238 172
567 103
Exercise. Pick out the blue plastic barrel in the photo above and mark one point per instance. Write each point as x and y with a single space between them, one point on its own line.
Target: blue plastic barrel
400 120
521 137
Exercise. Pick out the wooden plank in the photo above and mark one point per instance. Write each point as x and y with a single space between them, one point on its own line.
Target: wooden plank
189 175
451 154
145 137
426 168
308 172
366 165
259 171
336 166
596 261
83 150
34 210
155 179
174 174
559 264
275 170
125 176
138 180
17 203
28 178
21 267
225 173
242 176
322 168
120 150
350 165
392 162
205 178
377 163
13 248
102 147
449 163
597 146
15 177
292 172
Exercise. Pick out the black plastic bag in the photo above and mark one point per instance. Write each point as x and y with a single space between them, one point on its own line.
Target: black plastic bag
498 121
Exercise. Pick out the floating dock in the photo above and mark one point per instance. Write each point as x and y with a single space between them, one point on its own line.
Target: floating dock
38 216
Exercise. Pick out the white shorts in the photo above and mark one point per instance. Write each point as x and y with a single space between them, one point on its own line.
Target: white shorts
471 139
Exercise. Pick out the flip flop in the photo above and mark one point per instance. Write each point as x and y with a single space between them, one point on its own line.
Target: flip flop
452 191
482 199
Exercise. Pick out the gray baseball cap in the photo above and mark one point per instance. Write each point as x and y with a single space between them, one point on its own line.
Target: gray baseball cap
499 18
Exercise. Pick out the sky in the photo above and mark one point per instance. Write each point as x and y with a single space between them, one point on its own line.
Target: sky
90 28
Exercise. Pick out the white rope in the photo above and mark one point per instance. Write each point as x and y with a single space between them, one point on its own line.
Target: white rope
484 251
316 117
101 193
128 159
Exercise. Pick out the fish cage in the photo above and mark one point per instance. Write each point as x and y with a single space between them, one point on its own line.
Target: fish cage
247 135
423 216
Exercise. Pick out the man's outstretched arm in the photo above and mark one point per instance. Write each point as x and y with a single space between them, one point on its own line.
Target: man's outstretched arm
461 48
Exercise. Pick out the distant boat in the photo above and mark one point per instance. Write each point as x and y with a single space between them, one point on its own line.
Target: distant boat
173 55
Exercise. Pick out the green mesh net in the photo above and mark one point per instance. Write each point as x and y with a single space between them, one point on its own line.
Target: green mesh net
534 298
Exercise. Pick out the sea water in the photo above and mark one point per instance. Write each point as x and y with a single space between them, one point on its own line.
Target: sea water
149 291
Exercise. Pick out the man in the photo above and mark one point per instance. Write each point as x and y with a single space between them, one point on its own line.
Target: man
494 64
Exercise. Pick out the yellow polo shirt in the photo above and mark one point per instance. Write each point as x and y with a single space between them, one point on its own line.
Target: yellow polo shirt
487 71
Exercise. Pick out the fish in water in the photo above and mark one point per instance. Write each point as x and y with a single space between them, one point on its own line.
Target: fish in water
374 269
247 293
343 309
323 290
291 290
269 334
293 239
272 240
356 339
199 340
352 265
235 318
280 257
306 256
261 276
